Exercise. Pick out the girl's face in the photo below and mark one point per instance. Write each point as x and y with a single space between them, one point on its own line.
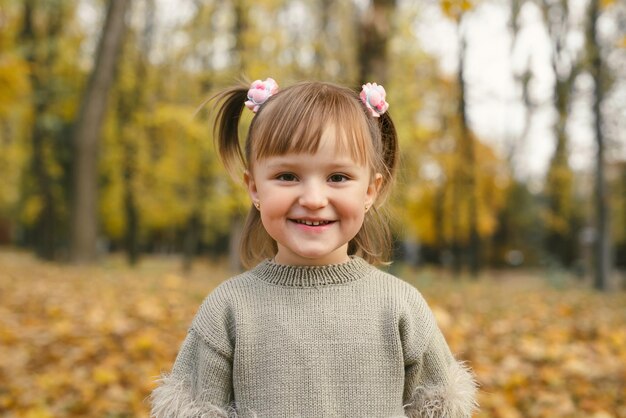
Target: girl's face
312 205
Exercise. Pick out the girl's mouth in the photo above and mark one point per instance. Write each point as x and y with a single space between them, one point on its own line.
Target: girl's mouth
311 223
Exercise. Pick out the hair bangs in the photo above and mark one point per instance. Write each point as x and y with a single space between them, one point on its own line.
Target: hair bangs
298 119
352 135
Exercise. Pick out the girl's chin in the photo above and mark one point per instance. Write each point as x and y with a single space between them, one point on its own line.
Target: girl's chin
311 258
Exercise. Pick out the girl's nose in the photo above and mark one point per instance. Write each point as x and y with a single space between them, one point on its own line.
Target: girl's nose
313 196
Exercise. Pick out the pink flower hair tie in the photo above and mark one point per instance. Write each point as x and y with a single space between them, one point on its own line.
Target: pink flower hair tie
259 92
373 97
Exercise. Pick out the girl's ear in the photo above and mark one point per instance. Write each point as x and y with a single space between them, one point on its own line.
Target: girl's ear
373 189
248 179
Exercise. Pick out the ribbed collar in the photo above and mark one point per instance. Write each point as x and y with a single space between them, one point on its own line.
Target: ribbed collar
312 276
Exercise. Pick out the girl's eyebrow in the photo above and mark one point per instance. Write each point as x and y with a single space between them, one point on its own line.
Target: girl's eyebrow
285 164
330 166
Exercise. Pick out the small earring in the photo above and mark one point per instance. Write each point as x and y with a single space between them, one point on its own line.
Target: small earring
367 208
257 205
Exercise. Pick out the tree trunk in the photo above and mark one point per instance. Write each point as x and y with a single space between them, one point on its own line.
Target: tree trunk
560 179
468 170
47 221
87 134
374 33
128 103
603 238
438 219
191 240
195 223
561 229
455 246
320 44
241 26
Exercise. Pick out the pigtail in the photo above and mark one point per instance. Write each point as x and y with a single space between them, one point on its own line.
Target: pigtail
226 128
389 142
373 242
389 138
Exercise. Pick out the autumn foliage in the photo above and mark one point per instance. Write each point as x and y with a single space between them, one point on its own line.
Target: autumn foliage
79 341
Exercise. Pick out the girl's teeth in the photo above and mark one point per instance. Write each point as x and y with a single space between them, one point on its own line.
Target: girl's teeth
312 223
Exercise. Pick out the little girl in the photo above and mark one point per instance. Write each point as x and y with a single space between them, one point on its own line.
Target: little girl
313 329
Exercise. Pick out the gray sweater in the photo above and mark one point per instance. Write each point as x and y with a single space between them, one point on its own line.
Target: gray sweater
345 340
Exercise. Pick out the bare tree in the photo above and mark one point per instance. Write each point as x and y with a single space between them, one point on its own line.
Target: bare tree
128 103
597 69
467 159
566 65
87 133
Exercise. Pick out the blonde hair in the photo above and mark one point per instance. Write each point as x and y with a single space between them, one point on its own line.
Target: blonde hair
293 120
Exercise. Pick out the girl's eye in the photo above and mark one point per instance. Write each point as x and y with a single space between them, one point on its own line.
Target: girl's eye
286 177
338 178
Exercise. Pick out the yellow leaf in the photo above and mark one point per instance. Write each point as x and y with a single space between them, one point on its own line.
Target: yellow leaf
105 375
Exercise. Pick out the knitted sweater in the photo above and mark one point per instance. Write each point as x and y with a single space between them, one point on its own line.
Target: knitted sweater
345 340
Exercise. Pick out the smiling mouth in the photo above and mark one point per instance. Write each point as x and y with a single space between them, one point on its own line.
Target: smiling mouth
311 223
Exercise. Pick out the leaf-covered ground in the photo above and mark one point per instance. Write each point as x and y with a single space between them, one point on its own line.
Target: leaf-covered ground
89 341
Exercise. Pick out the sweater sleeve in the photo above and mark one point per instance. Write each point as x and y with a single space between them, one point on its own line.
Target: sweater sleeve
436 384
200 383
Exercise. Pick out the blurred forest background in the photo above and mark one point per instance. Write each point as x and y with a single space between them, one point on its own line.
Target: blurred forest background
113 202
100 150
